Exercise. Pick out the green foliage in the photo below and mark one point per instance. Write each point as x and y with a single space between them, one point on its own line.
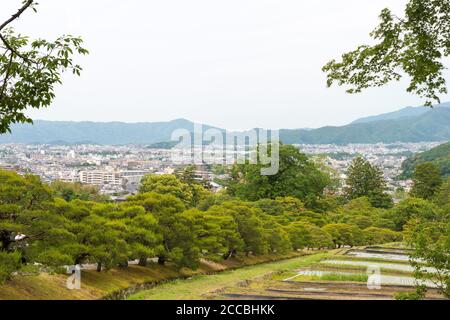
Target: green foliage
188 175
73 191
250 226
345 234
176 228
431 244
375 235
439 156
416 45
25 217
9 262
276 237
37 225
30 70
365 180
442 197
297 177
306 235
413 208
418 294
427 181
191 194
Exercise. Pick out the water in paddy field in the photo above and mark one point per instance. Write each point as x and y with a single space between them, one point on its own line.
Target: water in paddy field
392 266
387 256
384 279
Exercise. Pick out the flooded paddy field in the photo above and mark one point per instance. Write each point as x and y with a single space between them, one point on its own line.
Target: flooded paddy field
372 273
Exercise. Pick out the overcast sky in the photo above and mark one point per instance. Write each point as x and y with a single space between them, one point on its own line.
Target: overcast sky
236 64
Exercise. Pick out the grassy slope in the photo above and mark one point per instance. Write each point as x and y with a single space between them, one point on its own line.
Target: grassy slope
197 286
96 285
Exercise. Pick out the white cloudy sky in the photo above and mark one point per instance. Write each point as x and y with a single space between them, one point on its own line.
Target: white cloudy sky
232 63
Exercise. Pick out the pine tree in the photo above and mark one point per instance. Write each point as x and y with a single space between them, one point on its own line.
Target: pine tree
366 180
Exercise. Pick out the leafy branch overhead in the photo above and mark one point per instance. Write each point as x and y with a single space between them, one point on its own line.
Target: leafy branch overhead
30 69
415 45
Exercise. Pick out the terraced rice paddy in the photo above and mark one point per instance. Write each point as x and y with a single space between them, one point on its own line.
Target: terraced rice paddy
372 273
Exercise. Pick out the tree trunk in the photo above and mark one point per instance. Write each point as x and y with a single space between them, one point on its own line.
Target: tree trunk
99 267
143 262
5 240
79 259
229 254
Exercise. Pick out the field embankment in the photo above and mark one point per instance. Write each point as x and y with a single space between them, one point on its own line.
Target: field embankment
118 282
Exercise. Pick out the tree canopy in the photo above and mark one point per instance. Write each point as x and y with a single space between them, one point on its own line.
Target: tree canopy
366 180
427 181
38 225
415 44
30 69
297 177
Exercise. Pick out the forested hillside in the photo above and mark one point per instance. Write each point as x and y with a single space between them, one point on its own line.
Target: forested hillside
433 125
440 156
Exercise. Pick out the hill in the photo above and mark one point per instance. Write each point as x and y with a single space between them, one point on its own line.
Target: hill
439 156
114 133
433 125
407 112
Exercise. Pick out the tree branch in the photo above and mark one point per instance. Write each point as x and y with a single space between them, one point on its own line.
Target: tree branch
8 46
17 14
5 83
7 22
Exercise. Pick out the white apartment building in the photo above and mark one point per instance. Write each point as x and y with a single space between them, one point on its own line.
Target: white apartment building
101 178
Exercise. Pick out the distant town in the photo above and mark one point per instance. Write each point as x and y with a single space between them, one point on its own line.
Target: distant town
118 170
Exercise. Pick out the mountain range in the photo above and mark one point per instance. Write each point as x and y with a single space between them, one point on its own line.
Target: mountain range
411 124
408 112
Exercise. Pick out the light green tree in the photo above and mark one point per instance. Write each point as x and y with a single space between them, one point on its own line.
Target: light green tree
415 44
31 69
431 244
297 177
191 194
427 181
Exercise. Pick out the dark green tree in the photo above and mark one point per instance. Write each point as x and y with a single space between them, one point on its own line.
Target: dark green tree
23 203
249 224
9 262
179 244
365 180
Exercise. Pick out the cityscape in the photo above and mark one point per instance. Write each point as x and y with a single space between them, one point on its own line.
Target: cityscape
118 170
223 156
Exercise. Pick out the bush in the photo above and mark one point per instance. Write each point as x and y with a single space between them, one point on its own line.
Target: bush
9 262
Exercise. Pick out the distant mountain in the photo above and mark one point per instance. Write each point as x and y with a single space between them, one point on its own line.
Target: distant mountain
402 113
66 132
440 156
431 125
